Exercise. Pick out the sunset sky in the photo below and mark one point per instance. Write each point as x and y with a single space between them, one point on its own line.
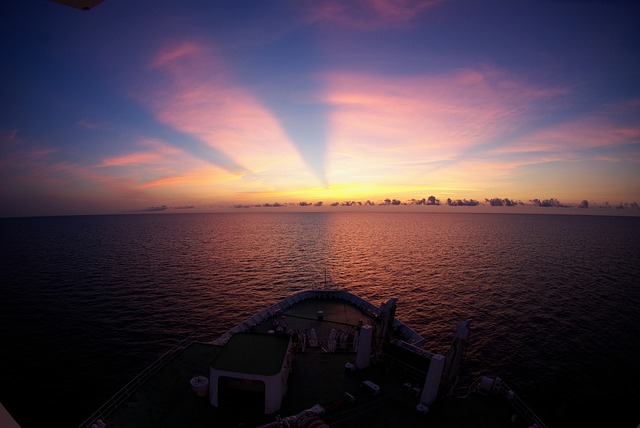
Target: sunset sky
137 104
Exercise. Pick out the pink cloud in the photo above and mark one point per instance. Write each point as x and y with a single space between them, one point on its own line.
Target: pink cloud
192 181
167 181
40 168
75 171
174 52
158 153
434 116
160 172
197 95
368 14
132 159
420 127
9 138
27 158
587 132
89 125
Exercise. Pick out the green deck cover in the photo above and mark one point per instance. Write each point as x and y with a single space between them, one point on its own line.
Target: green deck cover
251 353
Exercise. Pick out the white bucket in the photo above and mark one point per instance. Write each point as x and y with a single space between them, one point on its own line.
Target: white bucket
200 384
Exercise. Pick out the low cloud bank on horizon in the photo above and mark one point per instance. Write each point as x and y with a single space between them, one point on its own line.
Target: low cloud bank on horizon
425 202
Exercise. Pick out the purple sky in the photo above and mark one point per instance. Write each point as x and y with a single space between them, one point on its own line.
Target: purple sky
206 104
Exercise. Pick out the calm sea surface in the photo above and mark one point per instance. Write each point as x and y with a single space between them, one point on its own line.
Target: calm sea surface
87 302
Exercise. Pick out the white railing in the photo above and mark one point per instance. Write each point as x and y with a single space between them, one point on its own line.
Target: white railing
519 405
408 334
126 391
500 387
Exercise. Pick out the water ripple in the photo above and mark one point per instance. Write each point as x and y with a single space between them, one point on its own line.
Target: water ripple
553 298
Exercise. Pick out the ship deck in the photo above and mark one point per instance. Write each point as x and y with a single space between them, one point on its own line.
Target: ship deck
318 377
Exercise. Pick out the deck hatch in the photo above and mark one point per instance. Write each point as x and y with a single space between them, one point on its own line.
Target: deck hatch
260 354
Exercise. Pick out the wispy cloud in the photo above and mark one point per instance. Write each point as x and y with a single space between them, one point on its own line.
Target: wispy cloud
133 159
42 167
157 152
169 181
195 94
9 138
25 159
383 125
87 124
173 53
578 138
368 14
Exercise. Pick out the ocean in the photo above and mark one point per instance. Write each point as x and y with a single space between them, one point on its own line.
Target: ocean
89 301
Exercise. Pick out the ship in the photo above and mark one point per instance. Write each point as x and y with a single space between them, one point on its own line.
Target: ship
318 358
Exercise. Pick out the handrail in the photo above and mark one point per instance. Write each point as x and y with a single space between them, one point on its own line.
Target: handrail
519 405
468 390
410 336
132 386
500 387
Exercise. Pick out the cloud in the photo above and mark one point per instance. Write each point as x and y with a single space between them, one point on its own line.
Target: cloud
26 159
173 181
158 152
152 209
9 138
86 124
49 176
175 52
605 136
586 132
412 126
133 159
190 89
368 14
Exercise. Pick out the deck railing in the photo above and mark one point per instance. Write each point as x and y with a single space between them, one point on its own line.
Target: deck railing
501 388
409 335
112 403
520 406
126 391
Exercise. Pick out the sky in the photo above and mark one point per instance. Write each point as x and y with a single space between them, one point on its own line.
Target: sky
208 104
